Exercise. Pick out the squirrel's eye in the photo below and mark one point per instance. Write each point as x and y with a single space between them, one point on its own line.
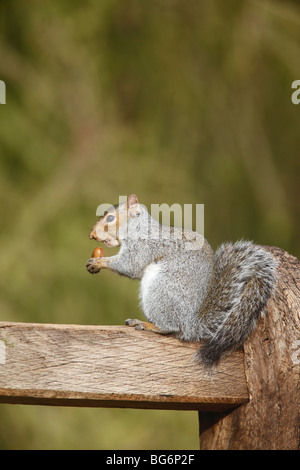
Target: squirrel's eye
110 218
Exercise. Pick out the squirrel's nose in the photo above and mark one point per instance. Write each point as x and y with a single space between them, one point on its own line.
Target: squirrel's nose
92 234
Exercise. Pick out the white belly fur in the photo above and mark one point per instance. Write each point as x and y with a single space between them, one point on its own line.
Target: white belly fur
150 273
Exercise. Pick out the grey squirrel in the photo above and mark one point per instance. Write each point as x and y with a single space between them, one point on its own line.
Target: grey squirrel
186 289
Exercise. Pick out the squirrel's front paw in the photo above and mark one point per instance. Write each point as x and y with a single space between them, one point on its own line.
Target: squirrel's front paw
93 265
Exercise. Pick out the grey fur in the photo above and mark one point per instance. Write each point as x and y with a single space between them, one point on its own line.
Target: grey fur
245 280
188 290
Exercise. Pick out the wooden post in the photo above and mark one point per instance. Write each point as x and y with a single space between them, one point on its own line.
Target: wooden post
251 401
271 418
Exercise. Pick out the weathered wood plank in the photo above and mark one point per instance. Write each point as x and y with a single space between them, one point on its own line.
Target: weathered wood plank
111 366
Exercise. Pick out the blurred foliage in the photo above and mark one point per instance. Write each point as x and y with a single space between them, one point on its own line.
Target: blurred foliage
186 102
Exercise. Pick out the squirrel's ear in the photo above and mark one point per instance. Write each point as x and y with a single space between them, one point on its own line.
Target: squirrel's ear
132 205
132 200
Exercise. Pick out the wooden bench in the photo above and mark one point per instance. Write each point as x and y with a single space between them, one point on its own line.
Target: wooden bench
251 401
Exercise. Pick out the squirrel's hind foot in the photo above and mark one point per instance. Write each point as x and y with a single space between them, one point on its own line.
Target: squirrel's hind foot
147 326
138 324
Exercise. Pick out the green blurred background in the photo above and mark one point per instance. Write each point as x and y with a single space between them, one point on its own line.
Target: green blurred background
186 102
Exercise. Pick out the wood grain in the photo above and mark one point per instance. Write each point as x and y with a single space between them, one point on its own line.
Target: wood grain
113 366
271 418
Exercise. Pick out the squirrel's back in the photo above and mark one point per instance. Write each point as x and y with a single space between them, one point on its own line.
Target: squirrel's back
245 280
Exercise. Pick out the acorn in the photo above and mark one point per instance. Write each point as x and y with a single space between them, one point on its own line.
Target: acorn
98 252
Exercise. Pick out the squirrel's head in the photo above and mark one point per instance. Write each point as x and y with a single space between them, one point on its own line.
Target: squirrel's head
107 228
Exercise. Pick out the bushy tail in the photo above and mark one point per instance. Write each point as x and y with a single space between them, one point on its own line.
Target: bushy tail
245 280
